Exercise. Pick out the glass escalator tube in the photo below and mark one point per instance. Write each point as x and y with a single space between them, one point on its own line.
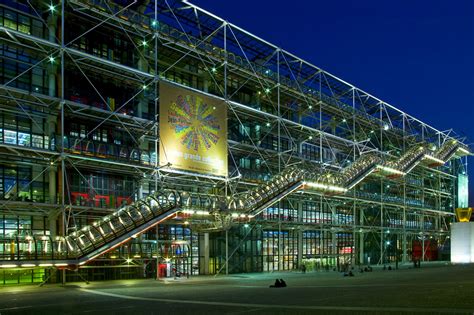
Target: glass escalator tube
145 209
72 249
104 228
59 248
84 242
250 201
135 214
162 201
174 199
126 219
257 196
95 235
232 205
154 205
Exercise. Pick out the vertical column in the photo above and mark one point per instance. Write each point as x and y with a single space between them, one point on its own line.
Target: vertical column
300 235
361 237
423 236
63 169
404 236
334 248
52 68
382 245
204 253
142 66
52 217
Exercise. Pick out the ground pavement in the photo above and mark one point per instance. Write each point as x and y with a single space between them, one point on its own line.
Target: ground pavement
434 290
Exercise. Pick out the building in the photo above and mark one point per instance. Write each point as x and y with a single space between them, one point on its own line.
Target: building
155 133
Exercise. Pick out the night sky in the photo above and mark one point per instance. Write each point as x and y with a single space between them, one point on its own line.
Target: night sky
414 55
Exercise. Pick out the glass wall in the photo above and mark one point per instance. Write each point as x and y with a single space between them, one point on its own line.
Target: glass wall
280 250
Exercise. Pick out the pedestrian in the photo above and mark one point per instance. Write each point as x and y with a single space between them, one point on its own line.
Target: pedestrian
277 284
303 268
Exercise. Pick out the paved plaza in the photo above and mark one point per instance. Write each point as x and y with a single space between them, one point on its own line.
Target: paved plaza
429 290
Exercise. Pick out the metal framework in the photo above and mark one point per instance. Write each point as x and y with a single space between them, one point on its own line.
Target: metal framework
79 100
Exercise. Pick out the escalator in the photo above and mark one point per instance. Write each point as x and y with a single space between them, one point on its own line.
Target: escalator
98 238
332 183
127 222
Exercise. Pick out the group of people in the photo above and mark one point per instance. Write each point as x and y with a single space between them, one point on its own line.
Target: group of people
279 283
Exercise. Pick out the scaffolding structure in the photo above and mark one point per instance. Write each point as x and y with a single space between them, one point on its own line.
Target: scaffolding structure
79 139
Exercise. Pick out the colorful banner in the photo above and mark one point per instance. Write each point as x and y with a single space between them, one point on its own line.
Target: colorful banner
193 131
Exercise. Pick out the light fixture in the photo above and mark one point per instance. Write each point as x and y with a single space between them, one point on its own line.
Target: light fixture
51 59
246 225
213 69
385 127
310 137
267 90
267 124
144 43
52 8
60 265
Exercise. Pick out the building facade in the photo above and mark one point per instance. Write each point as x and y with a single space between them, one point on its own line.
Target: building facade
83 89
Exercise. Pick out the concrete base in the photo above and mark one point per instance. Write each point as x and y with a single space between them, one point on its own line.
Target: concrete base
462 242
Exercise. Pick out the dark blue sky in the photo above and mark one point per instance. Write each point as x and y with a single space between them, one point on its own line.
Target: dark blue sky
415 55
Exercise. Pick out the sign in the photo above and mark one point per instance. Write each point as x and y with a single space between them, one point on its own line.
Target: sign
193 131
463 192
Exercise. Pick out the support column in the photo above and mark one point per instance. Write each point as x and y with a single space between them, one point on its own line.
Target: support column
52 68
300 249
334 249
52 200
142 100
204 253
404 237
52 176
226 252
361 237
300 236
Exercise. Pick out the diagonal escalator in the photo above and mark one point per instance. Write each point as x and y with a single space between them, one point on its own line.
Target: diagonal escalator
127 222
